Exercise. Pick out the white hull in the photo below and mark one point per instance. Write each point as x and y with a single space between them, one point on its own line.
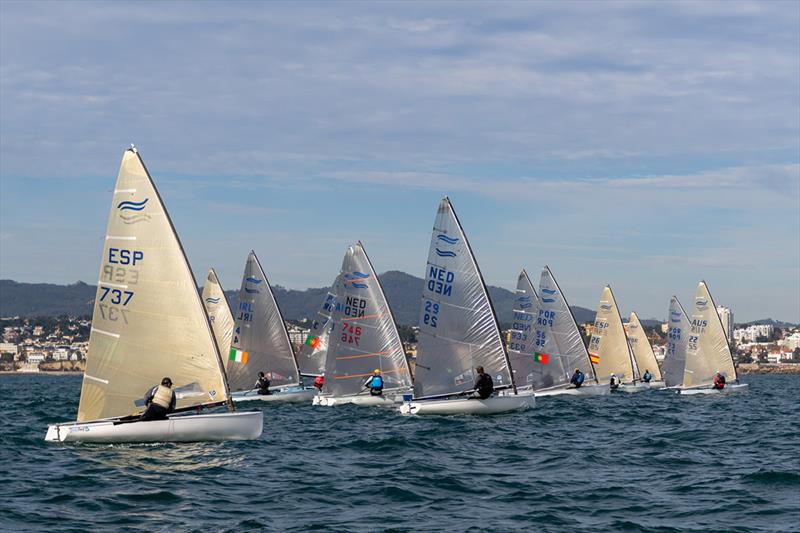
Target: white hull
633 387
469 406
741 387
585 390
362 400
289 396
243 425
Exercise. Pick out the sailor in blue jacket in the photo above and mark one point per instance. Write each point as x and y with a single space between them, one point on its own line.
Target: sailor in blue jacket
375 383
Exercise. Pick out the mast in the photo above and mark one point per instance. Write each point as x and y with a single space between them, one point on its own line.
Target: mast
486 293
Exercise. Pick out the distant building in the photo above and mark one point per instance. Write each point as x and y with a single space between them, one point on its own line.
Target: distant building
35 358
8 347
726 316
791 342
751 333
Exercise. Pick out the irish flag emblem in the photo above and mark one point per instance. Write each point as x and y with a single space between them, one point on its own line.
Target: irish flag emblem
540 357
239 356
312 341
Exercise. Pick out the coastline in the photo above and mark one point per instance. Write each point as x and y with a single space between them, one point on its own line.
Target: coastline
754 368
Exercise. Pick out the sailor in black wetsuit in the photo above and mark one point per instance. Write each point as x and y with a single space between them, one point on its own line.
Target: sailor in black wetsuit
160 401
484 386
263 385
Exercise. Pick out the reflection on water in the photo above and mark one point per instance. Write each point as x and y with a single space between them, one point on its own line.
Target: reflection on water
167 457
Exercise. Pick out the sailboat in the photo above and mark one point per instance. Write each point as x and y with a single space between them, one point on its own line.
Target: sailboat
608 346
555 347
148 322
642 352
311 357
707 350
261 343
218 311
458 332
677 343
364 338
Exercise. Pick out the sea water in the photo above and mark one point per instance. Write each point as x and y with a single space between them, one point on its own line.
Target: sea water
651 461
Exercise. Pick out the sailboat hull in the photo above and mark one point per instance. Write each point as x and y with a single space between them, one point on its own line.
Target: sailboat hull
295 395
245 425
633 387
469 406
364 401
740 387
585 390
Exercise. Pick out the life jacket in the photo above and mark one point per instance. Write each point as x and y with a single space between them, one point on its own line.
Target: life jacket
647 377
319 381
162 396
376 383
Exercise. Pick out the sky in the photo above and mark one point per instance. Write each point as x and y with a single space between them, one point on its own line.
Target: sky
645 145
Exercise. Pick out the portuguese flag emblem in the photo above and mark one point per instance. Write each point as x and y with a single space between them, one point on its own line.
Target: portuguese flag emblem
540 357
238 355
312 341
594 358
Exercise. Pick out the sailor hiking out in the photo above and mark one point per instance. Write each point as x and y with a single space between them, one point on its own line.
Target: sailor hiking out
614 382
375 383
484 386
319 382
719 381
160 401
577 378
262 384
647 376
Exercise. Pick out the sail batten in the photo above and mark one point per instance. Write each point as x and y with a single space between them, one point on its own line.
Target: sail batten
260 340
464 333
156 325
364 336
609 344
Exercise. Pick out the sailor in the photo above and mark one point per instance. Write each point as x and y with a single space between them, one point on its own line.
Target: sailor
647 376
484 386
613 382
719 381
577 378
262 384
375 383
319 381
160 400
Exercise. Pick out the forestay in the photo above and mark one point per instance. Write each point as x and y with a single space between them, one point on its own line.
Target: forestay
707 349
677 342
311 357
458 327
558 336
364 335
260 340
608 346
148 320
219 313
527 361
642 349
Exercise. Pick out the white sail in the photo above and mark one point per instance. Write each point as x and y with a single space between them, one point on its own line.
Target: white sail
219 312
558 336
311 357
609 345
260 340
364 335
524 354
458 327
707 349
148 320
677 342
642 349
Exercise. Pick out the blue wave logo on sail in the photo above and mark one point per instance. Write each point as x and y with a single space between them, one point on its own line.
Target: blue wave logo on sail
212 300
524 302
134 218
549 291
675 316
132 206
605 307
448 240
356 278
251 291
255 281
548 300
701 303
445 253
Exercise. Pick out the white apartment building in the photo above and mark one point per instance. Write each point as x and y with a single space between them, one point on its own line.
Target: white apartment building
751 333
8 347
791 342
726 316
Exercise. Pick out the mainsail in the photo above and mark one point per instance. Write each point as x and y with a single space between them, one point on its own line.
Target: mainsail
527 359
218 310
364 336
260 340
677 341
148 320
458 327
642 349
311 356
707 350
558 336
608 346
